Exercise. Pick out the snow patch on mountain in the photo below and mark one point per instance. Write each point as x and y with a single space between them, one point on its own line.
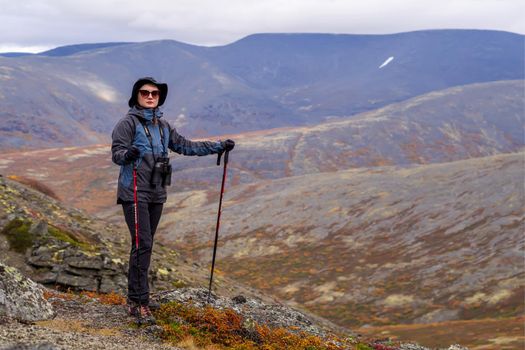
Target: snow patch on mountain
388 60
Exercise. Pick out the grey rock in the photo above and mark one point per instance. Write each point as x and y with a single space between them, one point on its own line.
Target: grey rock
110 264
42 250
48 277
80 282
85 262
40 261
44 260
412 347
80 272
21 298
113 284
73 268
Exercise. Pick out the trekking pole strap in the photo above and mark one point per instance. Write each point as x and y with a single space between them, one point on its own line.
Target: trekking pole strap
225 157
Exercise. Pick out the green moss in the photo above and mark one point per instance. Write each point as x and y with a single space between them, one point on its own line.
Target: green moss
178 284
18 235
66 237
362 346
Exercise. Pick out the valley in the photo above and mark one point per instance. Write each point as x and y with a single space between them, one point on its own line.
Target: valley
376 184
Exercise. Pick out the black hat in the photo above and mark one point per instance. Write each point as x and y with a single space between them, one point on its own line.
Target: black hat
163 88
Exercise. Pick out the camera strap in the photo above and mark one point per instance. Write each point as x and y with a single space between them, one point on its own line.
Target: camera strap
148 134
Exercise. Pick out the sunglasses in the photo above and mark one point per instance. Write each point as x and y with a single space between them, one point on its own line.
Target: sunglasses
146 93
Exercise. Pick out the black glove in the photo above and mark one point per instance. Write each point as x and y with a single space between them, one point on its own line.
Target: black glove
228 145
132 154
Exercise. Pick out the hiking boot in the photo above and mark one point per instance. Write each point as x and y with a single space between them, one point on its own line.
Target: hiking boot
145 316
133 308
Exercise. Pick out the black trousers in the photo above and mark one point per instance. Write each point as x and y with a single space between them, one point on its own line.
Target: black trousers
148 218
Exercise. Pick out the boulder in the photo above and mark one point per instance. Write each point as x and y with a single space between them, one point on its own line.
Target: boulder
22 298
48 277
78 282
73 268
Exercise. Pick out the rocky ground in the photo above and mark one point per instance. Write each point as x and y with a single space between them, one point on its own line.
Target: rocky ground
80 324
87 323
35 317
83 322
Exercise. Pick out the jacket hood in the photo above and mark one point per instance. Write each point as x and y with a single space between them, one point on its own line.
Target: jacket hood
163 88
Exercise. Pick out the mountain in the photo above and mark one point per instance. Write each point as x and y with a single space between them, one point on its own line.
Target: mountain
457 123
262 81
321 75
382 245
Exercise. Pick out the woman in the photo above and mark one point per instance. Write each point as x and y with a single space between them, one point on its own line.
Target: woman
140 143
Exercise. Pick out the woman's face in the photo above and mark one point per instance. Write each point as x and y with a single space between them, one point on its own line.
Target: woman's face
148 96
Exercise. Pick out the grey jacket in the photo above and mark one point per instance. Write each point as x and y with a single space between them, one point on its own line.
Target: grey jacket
131 131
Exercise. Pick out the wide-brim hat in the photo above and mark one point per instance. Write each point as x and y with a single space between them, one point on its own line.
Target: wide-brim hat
163 88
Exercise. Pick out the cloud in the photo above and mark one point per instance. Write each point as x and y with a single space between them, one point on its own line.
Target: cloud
215 22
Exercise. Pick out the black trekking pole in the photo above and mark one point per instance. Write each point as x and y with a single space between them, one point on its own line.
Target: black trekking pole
218 218
136 212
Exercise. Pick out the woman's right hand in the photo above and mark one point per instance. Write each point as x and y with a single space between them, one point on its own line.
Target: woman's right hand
132 154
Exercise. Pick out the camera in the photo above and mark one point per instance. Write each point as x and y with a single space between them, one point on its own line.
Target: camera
161 174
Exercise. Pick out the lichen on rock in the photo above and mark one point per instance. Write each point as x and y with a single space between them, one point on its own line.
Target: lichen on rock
22 298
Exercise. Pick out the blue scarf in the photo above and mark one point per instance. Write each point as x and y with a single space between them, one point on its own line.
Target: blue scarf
146 113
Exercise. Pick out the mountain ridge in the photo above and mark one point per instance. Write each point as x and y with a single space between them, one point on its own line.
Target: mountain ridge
259 83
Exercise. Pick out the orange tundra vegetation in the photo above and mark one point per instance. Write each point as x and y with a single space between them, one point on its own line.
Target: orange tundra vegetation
112 298
35 184
226 329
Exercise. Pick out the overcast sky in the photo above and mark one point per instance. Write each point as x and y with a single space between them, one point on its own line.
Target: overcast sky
37 25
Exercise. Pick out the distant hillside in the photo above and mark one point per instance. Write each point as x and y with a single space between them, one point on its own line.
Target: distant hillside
383 245
74 95
74 49
65 50
453 124
15 54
